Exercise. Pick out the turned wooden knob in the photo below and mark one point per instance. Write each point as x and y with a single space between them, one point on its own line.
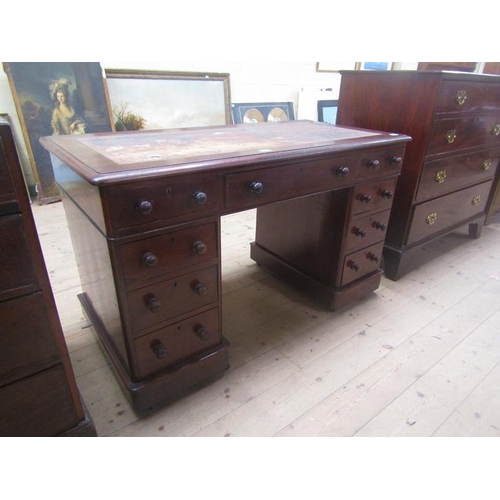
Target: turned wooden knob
149 259
380 225
200 197
145 207
360 232
354 265
373 164
386 193
396 160
200 289
199 247
256 187
366 198
203 333
342 171
374 257
160 350
153 304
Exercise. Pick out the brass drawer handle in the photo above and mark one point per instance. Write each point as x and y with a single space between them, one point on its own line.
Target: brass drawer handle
461 97
451 135
440 176
476 200
486 164
496 130
431 218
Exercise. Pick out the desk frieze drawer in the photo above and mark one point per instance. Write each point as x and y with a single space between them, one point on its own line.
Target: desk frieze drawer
450 135
157 303
172 344
376 196
257 187
440 177
366 230
160 255
462 96
442 213
150 203
361 263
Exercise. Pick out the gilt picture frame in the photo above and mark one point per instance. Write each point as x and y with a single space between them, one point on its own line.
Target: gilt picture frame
54 98
149 100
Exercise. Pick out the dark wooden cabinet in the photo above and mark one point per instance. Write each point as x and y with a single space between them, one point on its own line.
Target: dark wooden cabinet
38 393
450 164
144 212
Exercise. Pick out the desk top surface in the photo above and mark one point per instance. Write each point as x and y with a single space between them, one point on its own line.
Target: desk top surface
115 157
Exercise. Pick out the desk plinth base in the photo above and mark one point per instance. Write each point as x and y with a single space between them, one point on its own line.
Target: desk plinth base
168 385
331 298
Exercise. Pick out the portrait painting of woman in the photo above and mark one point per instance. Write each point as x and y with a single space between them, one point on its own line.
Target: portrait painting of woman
56 98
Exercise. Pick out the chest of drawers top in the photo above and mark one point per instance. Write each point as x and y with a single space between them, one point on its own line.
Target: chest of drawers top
110 158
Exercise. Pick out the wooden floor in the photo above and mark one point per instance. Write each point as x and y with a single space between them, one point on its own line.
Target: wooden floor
420 357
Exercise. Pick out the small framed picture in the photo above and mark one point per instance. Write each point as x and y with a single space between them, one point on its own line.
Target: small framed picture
376 66
257 112
327 111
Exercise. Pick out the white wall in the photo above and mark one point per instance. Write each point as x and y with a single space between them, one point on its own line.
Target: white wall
250 82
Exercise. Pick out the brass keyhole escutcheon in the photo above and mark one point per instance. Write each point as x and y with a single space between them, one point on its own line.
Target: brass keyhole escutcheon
461 97
496 130
451 135
486 164
476 200
440 176
431 218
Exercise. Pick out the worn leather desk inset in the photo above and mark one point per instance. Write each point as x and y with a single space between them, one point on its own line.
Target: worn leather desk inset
144 211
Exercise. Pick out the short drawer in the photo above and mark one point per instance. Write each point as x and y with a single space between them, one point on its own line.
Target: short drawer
18 275
26 339
152 257
157 303
167 346
442 213
440 177
456 134
361 263
152 202
380 162
257 187
462 96
376 196
366 230
37 406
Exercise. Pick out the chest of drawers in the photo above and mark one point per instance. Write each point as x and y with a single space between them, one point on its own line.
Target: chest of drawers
450 165
38 393
144 214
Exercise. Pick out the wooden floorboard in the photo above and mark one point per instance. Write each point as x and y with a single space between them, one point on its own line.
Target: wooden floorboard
420 357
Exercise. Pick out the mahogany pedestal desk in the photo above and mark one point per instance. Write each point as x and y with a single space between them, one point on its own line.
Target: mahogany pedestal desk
144 212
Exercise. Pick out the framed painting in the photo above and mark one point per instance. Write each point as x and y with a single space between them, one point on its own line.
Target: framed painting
148 100
335 67
255 112
376 66
54 98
